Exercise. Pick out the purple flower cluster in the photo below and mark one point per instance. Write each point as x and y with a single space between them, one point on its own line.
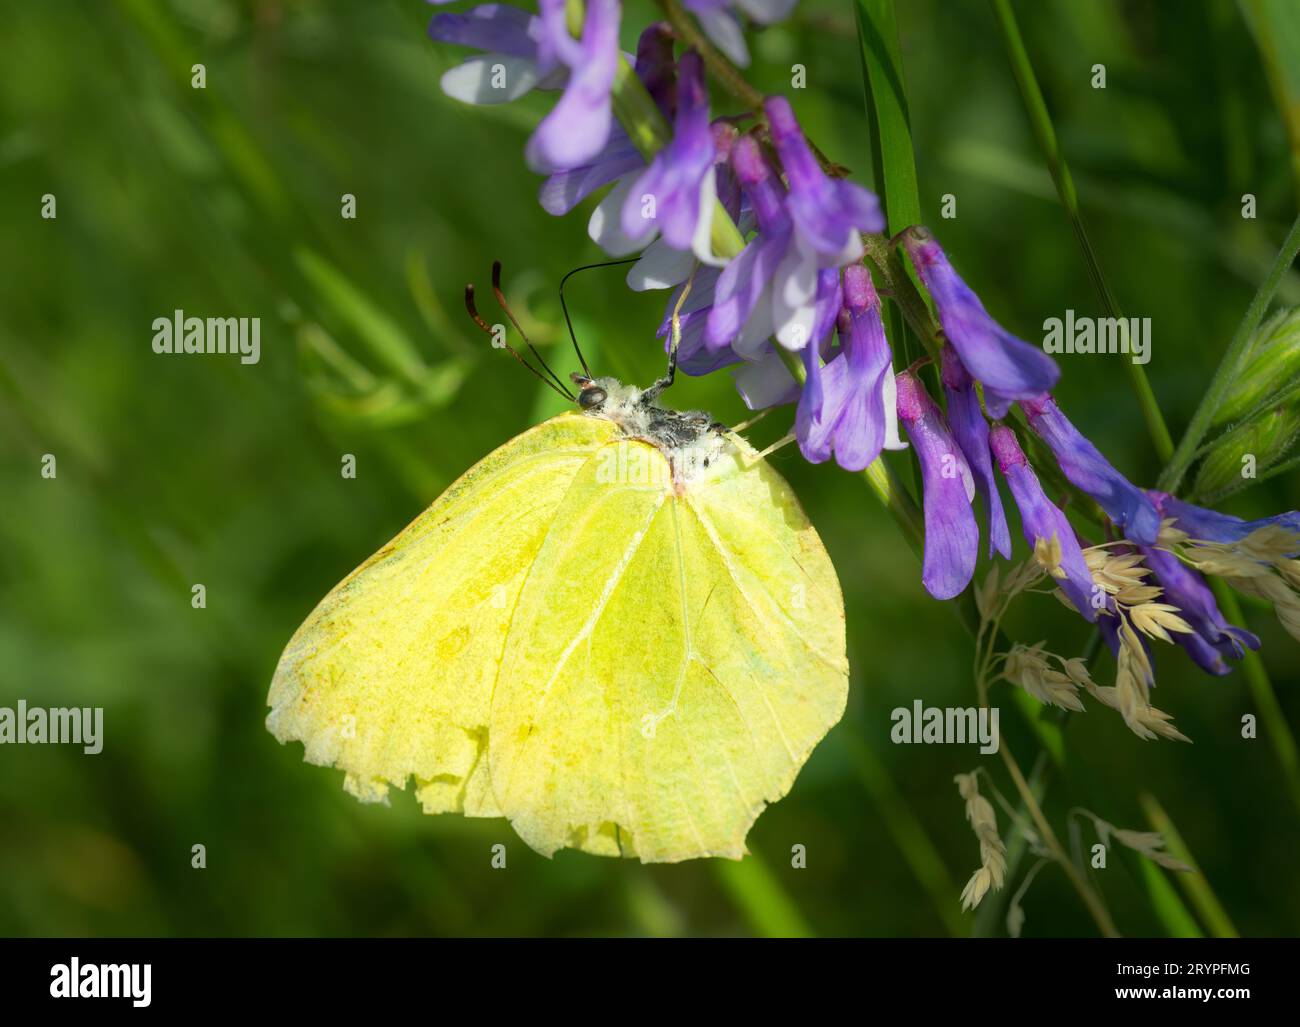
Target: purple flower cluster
797 291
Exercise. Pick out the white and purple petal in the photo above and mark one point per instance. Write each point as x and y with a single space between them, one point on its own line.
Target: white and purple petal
951 534
766 381
852 420
578 127
812 416
668 196
492 28
741 285
564 190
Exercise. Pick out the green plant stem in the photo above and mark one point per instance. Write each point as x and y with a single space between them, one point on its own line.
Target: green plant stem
1091 899
1261 690
1228 364
637 113
1041 123
1195 885
726 73
988 918
1030 796
898 284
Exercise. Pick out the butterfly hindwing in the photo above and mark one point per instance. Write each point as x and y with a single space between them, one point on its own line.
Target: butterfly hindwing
673 659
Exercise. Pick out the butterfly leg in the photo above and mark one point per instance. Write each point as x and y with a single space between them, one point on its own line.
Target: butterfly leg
674 337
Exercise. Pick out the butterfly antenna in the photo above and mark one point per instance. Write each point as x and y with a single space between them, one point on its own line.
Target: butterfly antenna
492 334
565 307
501 299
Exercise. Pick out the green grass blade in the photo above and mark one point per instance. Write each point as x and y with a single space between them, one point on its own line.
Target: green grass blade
1266 704
1194 884
910 837
758 893
1041 123
1177 920
892 160
385 338
1275 25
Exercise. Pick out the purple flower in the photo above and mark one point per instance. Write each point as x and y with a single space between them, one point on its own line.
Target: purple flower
770 289
828 212
812 402
971 431
722 26
1042 519
744 313
675 194
1085 467
661 266
951 535
848 416
1211 526
578 127
1213 640
1009 368
657 70
510 64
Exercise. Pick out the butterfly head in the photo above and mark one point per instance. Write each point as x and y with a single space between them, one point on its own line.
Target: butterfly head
591 394
611 399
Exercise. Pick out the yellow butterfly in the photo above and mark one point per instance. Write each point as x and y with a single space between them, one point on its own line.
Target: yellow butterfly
619 631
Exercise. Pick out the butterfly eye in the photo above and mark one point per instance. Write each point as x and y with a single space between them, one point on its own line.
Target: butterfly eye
589 398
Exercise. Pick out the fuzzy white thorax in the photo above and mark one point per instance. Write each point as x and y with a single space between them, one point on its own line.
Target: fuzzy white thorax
689 440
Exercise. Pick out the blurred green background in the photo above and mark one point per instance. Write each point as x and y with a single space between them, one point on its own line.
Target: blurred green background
174 471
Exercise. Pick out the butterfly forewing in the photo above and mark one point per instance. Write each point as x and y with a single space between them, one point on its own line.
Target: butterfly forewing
391 675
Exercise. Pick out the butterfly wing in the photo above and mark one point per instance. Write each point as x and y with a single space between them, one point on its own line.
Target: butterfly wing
391 676
672 661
